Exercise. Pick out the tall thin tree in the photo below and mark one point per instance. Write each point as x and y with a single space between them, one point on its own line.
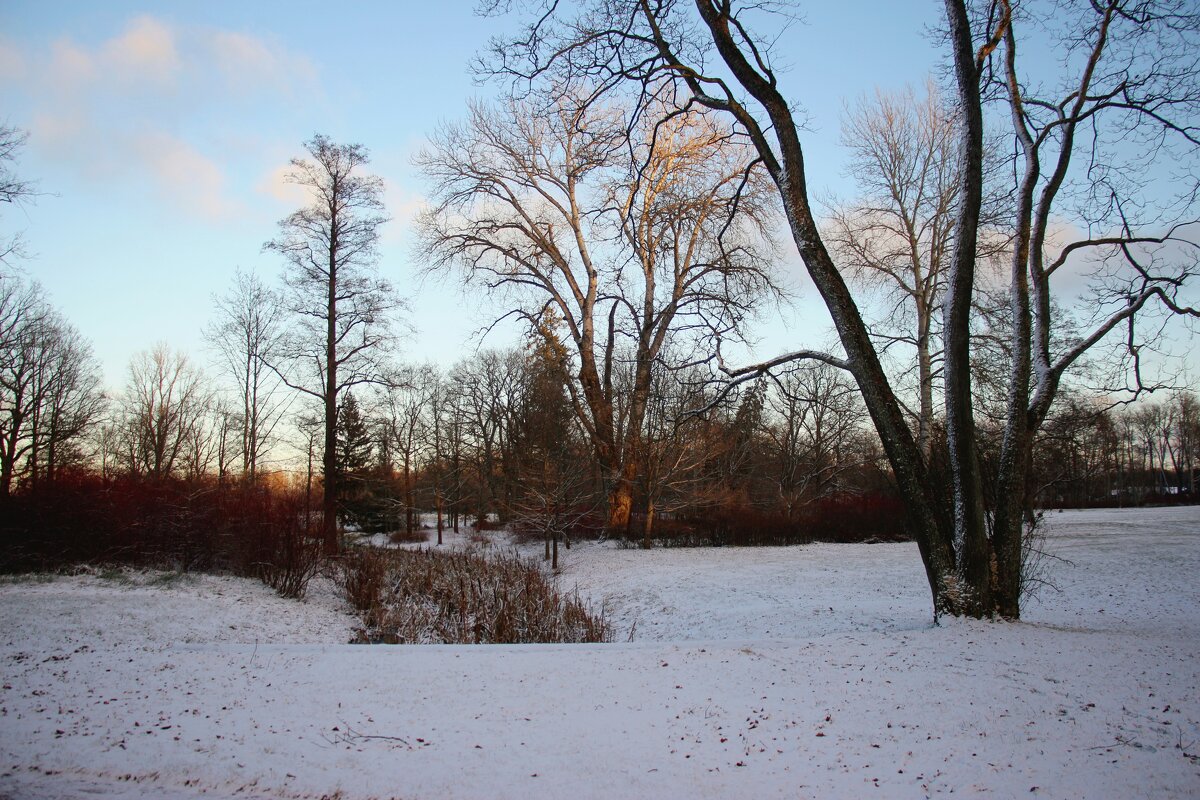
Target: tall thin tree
341 308
246 335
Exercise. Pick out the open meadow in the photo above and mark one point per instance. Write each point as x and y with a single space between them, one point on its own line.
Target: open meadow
808 671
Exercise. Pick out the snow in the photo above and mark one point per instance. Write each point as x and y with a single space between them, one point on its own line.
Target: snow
782 672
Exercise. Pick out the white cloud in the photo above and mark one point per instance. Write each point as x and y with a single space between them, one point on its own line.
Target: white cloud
70 68
276 184
402 206
248 62
146 104
12 63
184 175
62 132
145 51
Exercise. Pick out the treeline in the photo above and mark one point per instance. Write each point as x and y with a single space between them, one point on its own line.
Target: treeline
51 398
1098 456
614 416
170 420
495 439
142 478
171 470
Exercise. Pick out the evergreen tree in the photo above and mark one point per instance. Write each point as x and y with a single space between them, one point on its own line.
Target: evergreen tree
352 460
354 442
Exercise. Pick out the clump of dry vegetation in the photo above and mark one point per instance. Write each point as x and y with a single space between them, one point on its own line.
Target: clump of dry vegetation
438 597
401 536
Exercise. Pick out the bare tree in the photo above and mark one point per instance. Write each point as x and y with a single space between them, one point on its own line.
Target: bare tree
1127 73
246 335
50 394
71 401
403 409
626 234
1188 439
13 189
309 430
443 436
814 416
226 425
454 458
556 500
163 414
341 328
24 317
898 235
676 446
490 388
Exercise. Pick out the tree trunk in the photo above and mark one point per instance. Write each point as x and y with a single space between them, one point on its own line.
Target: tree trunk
648 525
439 516
408 499
308 476
974 570
329 529
620 503
925 379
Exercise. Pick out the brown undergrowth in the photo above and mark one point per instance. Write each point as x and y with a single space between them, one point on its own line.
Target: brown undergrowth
464 597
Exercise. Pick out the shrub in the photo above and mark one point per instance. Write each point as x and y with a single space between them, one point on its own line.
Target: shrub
178 525
362 572
574 523
869 517
443 597
402 536
484 523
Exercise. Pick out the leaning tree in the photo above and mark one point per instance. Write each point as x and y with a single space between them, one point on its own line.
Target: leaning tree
1106 147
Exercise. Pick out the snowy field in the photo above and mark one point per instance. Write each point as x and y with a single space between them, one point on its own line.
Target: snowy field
791 672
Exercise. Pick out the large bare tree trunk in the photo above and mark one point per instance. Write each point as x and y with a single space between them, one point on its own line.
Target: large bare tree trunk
620 504
970 523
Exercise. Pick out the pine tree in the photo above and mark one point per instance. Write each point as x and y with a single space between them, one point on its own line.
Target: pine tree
354 442
352 460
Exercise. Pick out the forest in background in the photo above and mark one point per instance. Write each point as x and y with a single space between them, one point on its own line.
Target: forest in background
636 234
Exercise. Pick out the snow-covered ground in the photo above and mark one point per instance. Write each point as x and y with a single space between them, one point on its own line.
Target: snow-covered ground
789 672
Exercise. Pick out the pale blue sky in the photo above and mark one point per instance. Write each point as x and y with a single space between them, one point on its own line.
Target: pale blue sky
159 132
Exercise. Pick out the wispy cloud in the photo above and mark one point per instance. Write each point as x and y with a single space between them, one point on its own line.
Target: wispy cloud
248 63
70 68
181 171
146 104
12 63
146 50
403 206
276 184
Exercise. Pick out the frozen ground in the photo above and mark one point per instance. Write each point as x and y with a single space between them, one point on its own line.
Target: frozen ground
795 672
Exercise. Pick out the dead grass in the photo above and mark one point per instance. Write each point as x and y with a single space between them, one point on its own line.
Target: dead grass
402 536
438 597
